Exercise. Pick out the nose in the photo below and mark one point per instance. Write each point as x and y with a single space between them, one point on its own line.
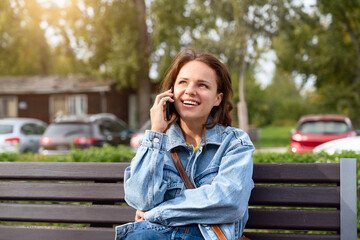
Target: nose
190 89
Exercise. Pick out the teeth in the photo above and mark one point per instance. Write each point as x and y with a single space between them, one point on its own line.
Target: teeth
191 103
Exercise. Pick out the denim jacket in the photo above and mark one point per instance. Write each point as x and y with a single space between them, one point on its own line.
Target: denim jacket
221 171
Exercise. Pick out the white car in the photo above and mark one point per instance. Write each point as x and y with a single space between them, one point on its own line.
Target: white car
343 144
20 134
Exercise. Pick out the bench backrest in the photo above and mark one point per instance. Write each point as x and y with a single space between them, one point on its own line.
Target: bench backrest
90 197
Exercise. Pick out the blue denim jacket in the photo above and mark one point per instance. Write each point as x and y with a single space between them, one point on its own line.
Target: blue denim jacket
221 171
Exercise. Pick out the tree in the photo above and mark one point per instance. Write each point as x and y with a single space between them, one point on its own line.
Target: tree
286 105
23 46
114 39
323 44
238 26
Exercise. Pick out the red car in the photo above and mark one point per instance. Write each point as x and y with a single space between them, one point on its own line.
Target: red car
314 130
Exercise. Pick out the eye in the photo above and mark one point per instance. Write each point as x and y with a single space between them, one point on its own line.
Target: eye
202 85
181 82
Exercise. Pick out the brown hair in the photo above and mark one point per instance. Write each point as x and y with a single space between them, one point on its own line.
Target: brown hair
221 113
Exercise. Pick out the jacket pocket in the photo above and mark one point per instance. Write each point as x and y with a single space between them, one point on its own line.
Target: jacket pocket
174 182
206 177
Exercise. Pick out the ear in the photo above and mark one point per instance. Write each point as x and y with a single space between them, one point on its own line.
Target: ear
218 100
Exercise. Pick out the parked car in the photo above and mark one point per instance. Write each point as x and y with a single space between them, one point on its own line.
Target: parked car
314 130
83 132
339 145
20 134
138 136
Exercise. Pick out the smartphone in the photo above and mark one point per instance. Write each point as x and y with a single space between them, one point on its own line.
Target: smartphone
169 107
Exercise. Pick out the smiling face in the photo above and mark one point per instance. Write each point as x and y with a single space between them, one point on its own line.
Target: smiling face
195 92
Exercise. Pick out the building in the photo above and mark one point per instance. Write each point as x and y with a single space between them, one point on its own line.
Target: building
46 97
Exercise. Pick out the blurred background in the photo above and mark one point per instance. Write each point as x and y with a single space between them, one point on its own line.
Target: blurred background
287 58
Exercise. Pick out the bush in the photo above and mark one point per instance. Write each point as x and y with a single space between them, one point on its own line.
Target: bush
106 153
267 157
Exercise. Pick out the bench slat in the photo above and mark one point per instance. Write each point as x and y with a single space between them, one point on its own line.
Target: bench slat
294 219
263 172
62 171
108 192
57 213
289 236
296 173
301 196
59 233
91 192
8 232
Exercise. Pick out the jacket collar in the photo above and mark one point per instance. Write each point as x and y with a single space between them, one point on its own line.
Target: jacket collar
176 138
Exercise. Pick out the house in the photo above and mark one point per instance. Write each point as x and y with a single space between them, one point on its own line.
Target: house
46 97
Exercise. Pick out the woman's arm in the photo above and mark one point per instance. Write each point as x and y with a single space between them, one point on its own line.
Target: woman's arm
143 180
225 200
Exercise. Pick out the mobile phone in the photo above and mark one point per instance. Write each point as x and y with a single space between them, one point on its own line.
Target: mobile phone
169 107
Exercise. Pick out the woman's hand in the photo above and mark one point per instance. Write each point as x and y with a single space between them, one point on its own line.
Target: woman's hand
157 112
139 216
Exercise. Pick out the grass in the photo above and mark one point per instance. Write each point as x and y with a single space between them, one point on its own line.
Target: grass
275 136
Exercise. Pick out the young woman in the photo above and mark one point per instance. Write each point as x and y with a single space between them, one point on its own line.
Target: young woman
217 159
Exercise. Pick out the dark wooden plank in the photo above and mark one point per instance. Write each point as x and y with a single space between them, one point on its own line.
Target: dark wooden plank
57 213
62 171
294 219
263 172
296 172
8 232
40 191
301 196
289 236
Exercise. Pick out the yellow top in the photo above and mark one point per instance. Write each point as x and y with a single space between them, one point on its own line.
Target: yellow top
195 148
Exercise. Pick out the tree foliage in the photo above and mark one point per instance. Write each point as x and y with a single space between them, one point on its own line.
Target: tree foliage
323 43
115 39
23 46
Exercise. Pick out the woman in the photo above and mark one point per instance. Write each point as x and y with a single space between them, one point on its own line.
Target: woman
217 159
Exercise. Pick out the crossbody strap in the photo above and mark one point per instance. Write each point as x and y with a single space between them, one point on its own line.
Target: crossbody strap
179 166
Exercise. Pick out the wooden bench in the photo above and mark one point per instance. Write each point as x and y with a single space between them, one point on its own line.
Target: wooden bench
316 198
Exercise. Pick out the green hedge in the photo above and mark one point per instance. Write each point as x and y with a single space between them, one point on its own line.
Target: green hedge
107 153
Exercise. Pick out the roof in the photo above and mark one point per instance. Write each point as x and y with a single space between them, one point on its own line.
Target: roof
52 84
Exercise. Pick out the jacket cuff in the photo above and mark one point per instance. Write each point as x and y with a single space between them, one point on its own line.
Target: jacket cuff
154 215
155 140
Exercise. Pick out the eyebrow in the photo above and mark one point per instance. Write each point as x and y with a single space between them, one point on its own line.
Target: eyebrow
203 81
200 80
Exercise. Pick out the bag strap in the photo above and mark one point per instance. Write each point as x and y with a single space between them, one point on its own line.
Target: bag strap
179 166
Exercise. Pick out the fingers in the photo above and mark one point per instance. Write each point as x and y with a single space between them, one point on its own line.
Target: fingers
167 94
139 216
158 111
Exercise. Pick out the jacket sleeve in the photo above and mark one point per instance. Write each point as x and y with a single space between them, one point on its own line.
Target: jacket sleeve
225 200
143 182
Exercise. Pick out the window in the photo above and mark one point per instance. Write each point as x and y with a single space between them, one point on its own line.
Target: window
29 129
108 127
32 129
324 127
68 105
8 107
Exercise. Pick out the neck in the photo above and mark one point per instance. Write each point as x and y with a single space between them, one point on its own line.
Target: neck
192 132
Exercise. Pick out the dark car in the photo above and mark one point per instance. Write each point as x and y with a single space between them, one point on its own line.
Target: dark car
83 132
314 130
20 134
